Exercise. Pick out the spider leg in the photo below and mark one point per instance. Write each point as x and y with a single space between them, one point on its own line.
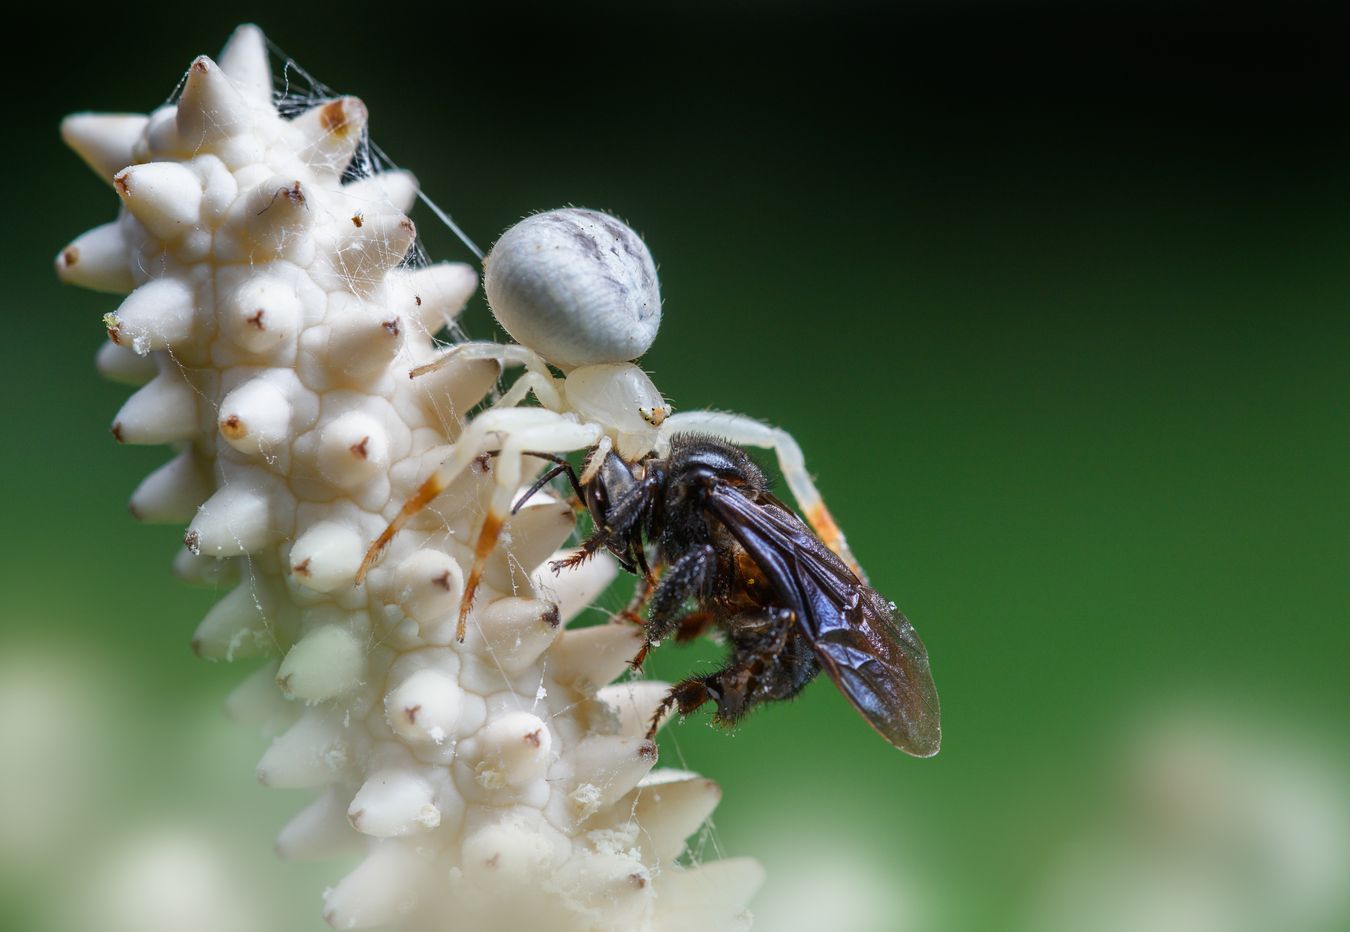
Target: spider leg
596 459
479 437
555 435
747 431
469 446
537 379
508 354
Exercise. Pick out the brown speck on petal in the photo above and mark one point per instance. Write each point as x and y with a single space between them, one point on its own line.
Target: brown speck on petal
232 427
358 449
256 320
532 738
418 299
391 327
120 183
357 220
71 254
493 861
116 431
333 116
192 542
411 712
442 580
301 568
637 880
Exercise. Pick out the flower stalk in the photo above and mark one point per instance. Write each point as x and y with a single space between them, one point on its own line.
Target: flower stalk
270 320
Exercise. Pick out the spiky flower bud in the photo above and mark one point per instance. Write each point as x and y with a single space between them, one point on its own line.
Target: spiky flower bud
270 323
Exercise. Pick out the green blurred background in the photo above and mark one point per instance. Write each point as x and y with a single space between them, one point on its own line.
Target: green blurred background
1054 301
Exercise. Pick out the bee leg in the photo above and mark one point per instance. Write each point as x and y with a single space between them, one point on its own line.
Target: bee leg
693 625
687 628
688 695
583 553
747 431
686 577
623 516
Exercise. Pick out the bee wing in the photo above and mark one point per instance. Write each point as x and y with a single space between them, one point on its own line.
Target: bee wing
870 650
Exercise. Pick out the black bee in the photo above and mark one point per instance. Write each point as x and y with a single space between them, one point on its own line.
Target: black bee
786 604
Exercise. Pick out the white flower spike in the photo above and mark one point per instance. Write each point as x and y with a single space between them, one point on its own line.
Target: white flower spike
271 323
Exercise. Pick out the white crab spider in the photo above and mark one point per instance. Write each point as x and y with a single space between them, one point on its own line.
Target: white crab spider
581 287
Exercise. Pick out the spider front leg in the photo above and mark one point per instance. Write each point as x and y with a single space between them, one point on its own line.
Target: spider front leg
747 431
536 378
482 436
553 435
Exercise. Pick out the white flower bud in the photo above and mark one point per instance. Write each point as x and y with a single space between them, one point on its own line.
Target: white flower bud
327 556
516 750
425 706
326 663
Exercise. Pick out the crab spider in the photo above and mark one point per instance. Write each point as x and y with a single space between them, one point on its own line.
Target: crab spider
578 289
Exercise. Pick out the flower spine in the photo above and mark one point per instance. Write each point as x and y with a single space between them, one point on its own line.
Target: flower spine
270 321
